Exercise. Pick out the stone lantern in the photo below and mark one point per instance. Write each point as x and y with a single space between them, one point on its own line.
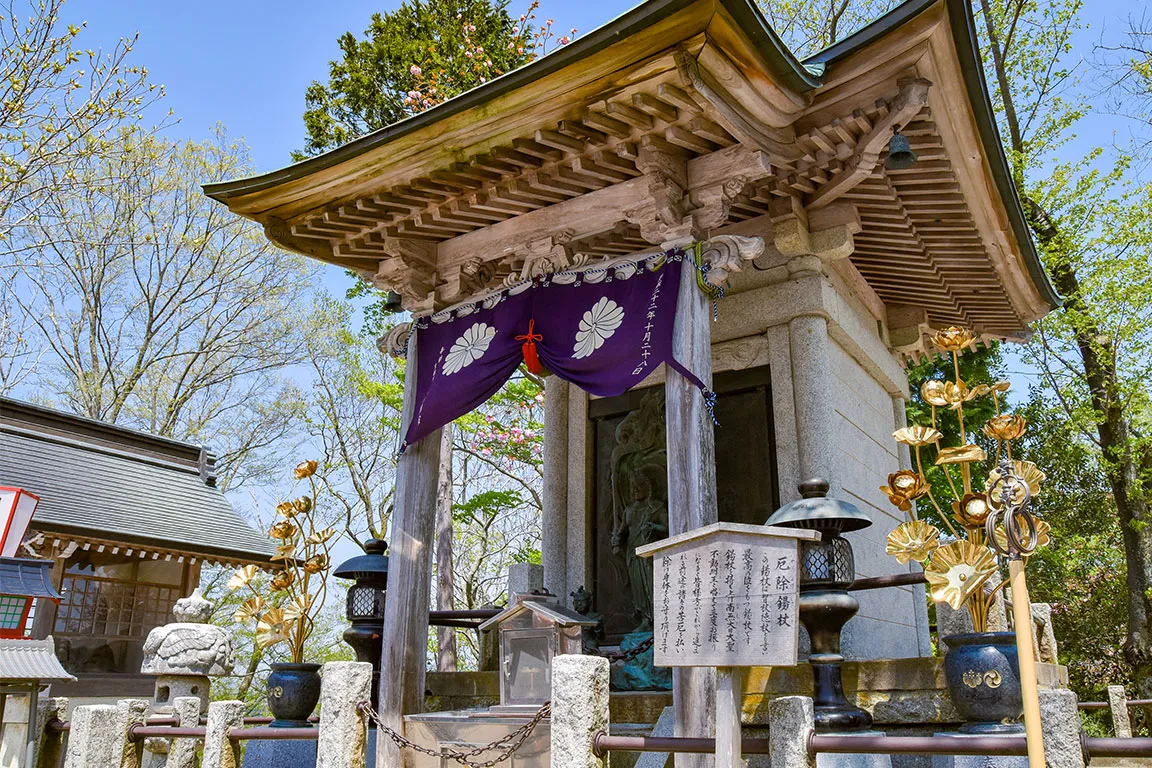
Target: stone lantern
827 569
533 630
364 607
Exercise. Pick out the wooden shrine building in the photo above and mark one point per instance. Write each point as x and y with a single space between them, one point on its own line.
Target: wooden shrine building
128 519
689 121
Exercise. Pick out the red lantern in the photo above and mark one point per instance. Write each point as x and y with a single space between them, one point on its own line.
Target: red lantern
16 508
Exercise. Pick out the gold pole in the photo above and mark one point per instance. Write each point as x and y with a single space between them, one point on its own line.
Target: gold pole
1022 617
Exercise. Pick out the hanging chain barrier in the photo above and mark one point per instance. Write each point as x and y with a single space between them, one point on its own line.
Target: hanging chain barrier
616 656
508 743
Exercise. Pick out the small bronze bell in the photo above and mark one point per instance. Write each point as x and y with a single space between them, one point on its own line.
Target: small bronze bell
392 301
900 154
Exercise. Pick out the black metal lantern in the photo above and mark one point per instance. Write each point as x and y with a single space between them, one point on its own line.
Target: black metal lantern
365 605
827 569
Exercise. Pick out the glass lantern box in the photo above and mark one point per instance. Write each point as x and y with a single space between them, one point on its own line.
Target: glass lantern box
533 630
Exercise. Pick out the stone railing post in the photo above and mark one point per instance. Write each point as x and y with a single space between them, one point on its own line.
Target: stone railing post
343 738
219 750
579 709
1060 722
49 745
182 752
1118 703
791 721
99 735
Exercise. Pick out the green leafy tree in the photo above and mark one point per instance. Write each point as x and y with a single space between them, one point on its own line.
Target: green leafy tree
424 52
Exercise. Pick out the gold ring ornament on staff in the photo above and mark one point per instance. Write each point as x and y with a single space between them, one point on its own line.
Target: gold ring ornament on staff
1011 528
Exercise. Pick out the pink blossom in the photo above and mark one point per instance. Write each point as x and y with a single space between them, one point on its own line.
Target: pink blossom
523 17
468 54
565 40
415 70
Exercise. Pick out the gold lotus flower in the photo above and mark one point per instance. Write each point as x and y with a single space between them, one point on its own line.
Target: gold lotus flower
962 454
282 530
286 509
957 393
903 487
297 607
1001 386
958 570
933 392
972 510
1043 535
243 577
1026 471
249 609
953 339
303 504
917 436
1006 426
284 552
316 563
913 540
321 537
283 579
305 469
270 629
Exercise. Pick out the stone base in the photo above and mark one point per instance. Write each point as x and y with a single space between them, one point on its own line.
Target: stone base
857 760
979 761
261 753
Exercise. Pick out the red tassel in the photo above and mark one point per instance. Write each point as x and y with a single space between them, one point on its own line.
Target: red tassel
531 358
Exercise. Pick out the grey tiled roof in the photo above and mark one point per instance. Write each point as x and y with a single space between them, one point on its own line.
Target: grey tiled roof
103 482
22 660
26 577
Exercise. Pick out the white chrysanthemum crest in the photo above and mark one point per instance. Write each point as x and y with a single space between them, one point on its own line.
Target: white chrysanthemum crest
469 348
596 327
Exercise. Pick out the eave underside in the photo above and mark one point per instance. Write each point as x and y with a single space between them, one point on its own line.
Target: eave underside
593 176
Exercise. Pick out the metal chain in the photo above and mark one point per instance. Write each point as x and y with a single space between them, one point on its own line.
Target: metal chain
509 743
615 656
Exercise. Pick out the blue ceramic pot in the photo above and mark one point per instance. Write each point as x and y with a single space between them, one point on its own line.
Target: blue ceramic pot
983 675
293 692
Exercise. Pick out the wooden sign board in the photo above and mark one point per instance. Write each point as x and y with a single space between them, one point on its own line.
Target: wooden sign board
725 595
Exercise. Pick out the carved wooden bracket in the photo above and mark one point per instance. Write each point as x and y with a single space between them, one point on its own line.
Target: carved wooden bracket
410 271
537 257
726 253
395 341
825 233
912 98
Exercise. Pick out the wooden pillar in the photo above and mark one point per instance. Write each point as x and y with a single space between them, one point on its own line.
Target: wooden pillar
44 622
691 486
409 578
446 657
554 523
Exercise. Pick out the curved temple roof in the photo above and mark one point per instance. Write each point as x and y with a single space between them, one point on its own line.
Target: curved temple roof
558 155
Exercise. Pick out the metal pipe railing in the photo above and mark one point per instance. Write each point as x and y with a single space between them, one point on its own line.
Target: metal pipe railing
893 580
833 743
472 613
1106 705
267 733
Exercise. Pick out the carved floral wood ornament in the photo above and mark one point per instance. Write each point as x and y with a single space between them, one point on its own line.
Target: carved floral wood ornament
604 329
982 523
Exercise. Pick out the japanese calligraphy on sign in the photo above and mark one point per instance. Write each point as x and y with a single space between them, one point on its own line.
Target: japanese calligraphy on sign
726 596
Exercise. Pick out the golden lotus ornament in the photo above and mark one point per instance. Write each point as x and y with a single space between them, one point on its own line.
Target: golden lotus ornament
953 339
282 530
249 609
243 577
913 540
321 537
286 509
903 488
962 454
305 469
270 629
303 504
933 393
283 579
957 570
297 607
284 552
917 437
972 510
1006 426
316 564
